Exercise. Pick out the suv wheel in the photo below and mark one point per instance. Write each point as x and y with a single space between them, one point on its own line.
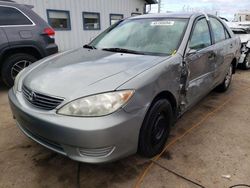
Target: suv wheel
13 65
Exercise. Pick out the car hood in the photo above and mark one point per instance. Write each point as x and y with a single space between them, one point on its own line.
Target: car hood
84 72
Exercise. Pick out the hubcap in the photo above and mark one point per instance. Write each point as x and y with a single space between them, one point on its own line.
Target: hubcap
229 76
18 66
159 129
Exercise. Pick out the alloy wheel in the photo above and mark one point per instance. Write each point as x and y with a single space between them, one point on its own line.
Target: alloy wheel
18 67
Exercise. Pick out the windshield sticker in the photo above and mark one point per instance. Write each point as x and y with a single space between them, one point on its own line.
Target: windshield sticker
162 23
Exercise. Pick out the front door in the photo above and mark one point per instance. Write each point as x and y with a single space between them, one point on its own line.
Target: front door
200 60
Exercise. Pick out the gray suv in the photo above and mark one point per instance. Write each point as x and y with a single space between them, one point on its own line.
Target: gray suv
24 39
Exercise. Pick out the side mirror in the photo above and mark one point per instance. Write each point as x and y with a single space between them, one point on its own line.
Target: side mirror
248 44
191 52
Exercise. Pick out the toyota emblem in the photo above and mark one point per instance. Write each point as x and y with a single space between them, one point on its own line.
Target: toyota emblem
32 96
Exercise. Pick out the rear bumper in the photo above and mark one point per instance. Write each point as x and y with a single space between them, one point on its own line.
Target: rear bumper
51 49
92 140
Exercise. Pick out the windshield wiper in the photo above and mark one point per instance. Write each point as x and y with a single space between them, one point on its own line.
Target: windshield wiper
122 50
89 46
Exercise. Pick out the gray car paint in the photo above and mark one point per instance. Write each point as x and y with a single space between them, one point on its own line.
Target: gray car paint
83 66
4 41
84 72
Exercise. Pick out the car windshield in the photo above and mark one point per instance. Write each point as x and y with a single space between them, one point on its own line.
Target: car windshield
146 36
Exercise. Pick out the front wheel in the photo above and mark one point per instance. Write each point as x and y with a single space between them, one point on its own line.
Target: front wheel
155 128
227 81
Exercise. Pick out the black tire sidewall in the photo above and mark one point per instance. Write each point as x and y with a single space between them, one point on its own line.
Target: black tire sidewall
8 64
245 61
145 147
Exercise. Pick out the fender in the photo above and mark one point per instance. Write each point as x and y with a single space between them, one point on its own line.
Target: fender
17 46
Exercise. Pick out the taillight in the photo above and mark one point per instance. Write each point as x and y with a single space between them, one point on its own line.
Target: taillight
49 32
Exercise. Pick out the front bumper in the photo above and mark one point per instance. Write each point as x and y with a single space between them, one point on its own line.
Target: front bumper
92 140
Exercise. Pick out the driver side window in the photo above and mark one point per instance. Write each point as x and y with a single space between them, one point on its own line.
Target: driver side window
201 36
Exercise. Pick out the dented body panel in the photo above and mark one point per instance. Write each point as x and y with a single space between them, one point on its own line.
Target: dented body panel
188 77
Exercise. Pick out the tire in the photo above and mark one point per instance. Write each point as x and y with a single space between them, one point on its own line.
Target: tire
246 63
155 128
223 87
13 64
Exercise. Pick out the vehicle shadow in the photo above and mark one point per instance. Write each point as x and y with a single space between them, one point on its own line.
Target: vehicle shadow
64 172
3 87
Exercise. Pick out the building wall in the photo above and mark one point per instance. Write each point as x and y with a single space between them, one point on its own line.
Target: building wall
76 37
243 16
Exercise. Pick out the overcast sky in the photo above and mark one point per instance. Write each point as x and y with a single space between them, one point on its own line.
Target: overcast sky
226 8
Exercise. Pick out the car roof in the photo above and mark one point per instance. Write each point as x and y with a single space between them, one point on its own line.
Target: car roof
14 4
169 15
8 2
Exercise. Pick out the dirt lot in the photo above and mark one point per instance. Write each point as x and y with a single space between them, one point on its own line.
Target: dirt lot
209 141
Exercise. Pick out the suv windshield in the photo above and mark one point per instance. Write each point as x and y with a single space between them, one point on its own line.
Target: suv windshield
145 36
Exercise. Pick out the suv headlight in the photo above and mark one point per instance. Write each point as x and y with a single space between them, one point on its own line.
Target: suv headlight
97 105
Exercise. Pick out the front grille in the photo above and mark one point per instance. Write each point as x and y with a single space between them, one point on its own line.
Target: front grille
41 101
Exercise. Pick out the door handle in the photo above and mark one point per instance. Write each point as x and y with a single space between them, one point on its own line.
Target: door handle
231 45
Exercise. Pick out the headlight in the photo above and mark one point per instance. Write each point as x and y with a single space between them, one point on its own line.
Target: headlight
97 105
16 83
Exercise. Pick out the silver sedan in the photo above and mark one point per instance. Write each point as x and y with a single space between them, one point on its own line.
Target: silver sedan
122 93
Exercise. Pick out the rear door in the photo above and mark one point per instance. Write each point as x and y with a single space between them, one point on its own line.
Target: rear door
223 47
3 39
200 60
16 24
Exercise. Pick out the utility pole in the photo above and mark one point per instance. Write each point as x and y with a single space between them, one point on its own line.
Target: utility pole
159 6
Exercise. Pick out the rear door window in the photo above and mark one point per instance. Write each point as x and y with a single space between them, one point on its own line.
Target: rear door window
11 16
218 30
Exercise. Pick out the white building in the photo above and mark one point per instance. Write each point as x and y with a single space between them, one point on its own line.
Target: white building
78 21
242 16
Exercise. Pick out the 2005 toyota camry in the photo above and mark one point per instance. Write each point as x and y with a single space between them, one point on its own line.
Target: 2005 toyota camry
121 93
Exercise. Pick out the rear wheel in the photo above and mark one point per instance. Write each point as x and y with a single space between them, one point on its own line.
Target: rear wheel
246 63
13 65
227 81
155 128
